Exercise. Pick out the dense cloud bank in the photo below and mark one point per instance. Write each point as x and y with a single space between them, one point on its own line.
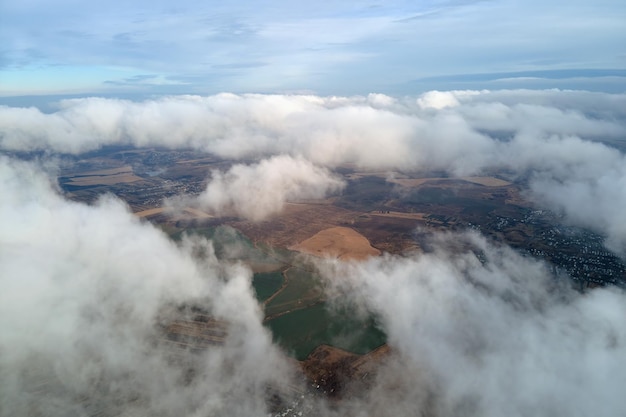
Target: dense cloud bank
556 139
84 291
373 131
489 335
376 131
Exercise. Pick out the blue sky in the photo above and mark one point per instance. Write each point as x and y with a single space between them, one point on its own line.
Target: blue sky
332 47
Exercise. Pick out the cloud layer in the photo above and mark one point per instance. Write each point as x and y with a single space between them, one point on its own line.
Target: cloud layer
556 138
86 290
477 329
492 336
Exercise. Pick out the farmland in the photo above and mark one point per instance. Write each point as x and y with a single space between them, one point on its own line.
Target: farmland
301 331
341 242
292 296
111 176
386 208
377 212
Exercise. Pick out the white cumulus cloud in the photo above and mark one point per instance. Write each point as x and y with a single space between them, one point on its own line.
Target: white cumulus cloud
260 190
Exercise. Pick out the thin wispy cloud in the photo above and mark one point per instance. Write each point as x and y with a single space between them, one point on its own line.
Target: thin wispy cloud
336 47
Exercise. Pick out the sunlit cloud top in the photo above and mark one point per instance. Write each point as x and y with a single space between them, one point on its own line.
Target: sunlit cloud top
336 47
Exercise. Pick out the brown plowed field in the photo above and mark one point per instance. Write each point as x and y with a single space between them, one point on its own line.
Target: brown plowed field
341 242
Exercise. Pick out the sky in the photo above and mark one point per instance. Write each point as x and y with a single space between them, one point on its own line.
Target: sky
140 48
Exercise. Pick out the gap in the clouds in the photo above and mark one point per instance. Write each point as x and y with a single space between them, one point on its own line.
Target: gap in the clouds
291 293
386 207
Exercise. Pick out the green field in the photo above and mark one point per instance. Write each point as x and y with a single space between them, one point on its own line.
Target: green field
301 331
230 244
302 320
303 289
297 314
266 283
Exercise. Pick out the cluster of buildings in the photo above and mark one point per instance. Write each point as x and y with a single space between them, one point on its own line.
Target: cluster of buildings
579 252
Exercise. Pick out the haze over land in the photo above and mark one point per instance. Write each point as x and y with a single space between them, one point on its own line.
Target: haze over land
313 209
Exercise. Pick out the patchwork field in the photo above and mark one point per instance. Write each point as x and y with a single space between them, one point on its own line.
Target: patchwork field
111 176
485 181
191 213
399 214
